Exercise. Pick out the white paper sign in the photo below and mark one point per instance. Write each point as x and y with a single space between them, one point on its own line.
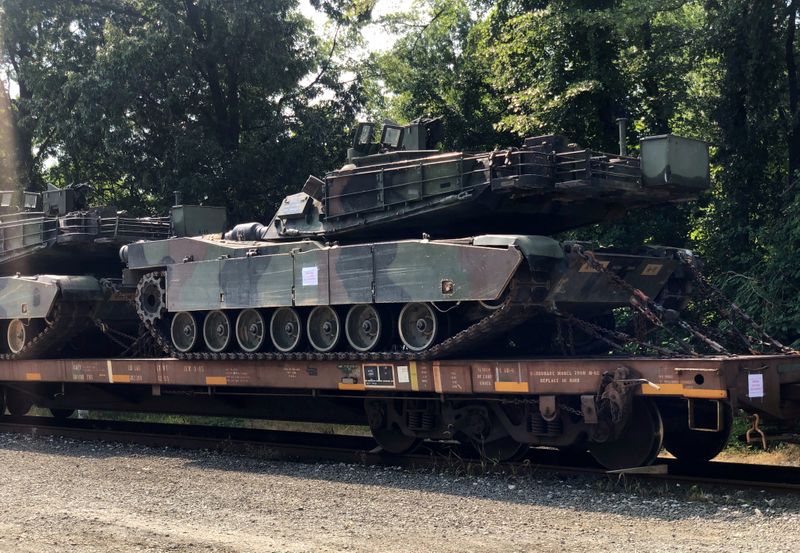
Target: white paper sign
402 375
310 276
755 385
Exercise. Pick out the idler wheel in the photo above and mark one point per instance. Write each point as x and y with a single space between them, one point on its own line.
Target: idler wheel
250 330
323 328
17 336
363 327
285 329
217 331
418 325
638 444
184 332
151 297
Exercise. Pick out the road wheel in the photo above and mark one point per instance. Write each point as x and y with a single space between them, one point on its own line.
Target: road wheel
323 328
184 332
217 331
418 326
250 330
285 329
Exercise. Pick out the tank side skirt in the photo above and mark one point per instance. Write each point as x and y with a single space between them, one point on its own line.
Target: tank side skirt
401 271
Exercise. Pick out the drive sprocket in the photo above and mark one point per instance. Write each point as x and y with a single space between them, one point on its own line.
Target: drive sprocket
151 297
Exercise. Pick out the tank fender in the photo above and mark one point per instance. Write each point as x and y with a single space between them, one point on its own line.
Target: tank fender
160 253
531 246
34 297
79 288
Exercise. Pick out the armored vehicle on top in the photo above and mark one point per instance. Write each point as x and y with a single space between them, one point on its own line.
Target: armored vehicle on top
412 252
59 266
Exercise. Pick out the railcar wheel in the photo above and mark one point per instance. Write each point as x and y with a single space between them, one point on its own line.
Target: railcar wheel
363 327
693 446
17 403
418 326
183 332
62 413
323 328
250 330
393 441
217 331
16 336
285 329
501 450
638 444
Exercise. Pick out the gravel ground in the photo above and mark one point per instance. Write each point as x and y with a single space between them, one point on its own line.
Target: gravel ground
61 495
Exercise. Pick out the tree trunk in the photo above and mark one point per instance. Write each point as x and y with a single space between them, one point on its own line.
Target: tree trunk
794 116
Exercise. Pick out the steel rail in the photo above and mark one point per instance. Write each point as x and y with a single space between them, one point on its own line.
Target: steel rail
307 446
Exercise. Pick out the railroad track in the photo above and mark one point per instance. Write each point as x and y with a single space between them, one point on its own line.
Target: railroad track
362 450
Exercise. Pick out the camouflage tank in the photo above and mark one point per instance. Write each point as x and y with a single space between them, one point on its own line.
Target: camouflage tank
412 252
59 268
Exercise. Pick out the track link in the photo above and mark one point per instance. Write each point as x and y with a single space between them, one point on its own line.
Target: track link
515 309
67 321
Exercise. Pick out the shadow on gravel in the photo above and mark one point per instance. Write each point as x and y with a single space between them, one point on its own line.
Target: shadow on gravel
632 497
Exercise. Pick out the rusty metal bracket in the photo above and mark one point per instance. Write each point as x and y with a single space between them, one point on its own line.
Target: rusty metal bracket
547 408
615 396
589 409
691 421
754 428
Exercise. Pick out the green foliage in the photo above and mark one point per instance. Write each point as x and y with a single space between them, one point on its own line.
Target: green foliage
235 103
221 100
720 71
434 70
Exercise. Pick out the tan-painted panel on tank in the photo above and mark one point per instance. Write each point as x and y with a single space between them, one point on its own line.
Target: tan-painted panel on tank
193 286
429 271
159 253
23 298
311 278
260 281
350 274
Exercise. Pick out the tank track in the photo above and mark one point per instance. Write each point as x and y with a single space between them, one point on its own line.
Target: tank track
67 320
514 310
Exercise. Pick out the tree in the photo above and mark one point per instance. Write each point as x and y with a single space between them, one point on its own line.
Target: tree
204 96
433 69
44 46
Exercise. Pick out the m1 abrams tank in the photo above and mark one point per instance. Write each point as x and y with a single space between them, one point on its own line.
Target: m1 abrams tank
411 252
59 269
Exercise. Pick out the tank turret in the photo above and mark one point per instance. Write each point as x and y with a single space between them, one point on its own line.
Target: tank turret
400 187
60 265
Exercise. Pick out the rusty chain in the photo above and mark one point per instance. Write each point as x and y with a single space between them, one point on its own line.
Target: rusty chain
649 308
730 310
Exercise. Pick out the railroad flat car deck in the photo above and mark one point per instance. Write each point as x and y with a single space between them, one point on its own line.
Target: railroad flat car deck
545 401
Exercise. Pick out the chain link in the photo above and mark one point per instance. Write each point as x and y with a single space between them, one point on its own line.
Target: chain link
649 308
728 309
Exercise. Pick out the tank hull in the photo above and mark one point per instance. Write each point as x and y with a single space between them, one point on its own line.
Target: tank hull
452 286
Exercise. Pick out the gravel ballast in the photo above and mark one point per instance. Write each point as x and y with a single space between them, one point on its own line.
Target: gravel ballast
62 495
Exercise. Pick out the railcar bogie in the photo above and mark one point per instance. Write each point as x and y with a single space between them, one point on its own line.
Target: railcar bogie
622 410
696 431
